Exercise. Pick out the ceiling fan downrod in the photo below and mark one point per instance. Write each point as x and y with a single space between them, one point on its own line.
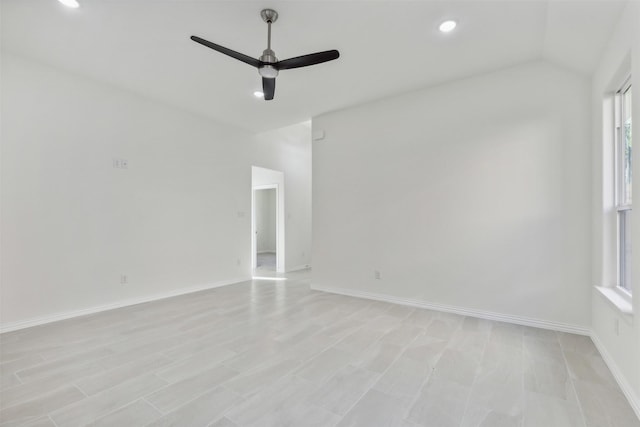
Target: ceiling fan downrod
268 56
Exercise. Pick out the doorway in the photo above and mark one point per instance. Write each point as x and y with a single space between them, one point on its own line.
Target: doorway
267 220
266 226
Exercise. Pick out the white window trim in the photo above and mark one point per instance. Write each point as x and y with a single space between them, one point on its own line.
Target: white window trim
616 297
621 291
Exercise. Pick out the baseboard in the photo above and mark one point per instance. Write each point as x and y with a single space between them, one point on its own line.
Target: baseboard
518 320
22 324
298 268
626 388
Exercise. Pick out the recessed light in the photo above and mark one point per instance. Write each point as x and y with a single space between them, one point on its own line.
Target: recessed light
70 3
258 94
447 26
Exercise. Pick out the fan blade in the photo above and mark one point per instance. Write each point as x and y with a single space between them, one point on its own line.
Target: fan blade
306 60
232 53
268 88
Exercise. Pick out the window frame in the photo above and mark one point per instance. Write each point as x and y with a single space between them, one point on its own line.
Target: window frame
623 209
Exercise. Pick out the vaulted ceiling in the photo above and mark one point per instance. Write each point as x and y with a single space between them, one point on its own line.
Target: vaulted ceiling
386 47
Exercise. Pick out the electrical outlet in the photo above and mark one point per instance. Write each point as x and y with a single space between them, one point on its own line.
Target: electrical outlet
376 274
124 279
120 164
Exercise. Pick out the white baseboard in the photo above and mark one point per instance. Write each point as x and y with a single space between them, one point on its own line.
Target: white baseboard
633 399
21 324
298 268
518 320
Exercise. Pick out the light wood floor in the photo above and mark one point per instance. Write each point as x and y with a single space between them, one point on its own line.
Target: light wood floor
274 353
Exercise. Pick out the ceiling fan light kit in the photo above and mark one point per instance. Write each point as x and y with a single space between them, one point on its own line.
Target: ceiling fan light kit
268 65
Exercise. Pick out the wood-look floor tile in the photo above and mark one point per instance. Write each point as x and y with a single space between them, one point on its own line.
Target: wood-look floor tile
63 366
402 335
426 349
136 350
590 368
8 380
93 384
543 410
201 411
325 365
262 375
474 324
359 340
311 347
404 378
92 408
384 323
194 344
35 408
378 357
547 377
456 366
195 364
283 394
344 389
265 351
496 397
604 406
376 409
177 394
343 327
400 311
20 364
541 334
420 318
470 342
223 422
442 328
300 414
577 343
40 422
27 391
138 413
440 403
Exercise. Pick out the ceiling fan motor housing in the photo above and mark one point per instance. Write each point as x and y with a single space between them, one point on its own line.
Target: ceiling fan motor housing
268 71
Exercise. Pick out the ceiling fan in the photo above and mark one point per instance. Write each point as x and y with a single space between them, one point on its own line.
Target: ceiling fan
268 65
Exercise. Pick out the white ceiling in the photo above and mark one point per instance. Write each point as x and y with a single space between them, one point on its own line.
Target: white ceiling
386 47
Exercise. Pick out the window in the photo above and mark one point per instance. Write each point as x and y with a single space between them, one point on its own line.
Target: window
623 171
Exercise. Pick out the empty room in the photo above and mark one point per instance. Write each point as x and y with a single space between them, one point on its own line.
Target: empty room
406 213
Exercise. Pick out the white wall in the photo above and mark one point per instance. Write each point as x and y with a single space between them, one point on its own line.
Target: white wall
621 350
177 218
289 150
472 195
266 220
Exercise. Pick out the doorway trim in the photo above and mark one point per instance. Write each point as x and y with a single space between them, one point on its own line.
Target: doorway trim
279 227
